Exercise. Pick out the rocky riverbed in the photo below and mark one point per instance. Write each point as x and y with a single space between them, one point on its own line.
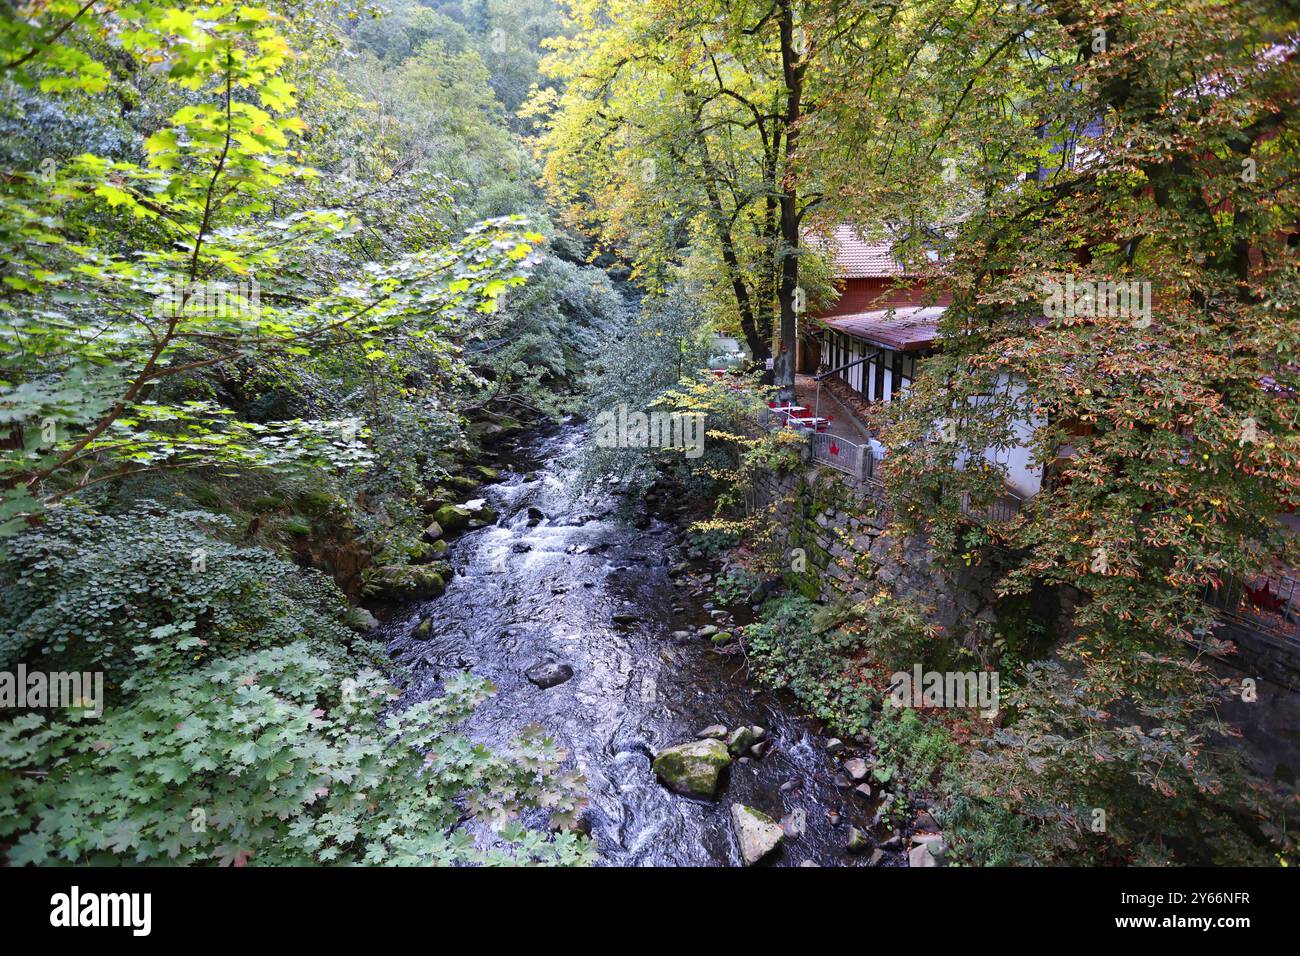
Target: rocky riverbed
602 630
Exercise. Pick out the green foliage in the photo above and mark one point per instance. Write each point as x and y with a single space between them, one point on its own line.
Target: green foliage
1075 150
735 586
554 327
912 750
1207 811
95 592
159 160
277 757
792 647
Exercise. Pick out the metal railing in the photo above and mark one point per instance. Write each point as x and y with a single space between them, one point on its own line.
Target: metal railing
853 459
1003 508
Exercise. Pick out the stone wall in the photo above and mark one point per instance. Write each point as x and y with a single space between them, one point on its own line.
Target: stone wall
838 526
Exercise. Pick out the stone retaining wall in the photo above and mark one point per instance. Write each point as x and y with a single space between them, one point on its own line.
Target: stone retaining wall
838 525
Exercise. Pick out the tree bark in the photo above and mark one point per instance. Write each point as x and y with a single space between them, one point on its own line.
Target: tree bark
792 69
760 346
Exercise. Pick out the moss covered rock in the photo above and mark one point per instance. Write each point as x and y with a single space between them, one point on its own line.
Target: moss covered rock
407 582
740 740
452 518
692 769
296 524
462 482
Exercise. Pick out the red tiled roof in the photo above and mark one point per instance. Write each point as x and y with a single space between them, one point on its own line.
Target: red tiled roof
907 329
855 257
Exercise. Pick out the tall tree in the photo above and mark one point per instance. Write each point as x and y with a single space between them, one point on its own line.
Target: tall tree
1151 143
680 125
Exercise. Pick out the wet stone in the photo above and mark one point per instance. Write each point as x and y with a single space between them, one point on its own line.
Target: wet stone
548 673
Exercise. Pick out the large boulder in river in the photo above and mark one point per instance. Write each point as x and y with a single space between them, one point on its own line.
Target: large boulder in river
692 769
757 833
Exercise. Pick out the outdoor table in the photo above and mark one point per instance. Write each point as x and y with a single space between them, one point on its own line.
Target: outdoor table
786 411
815 422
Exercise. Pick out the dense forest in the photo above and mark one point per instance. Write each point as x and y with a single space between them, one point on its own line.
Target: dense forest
287 286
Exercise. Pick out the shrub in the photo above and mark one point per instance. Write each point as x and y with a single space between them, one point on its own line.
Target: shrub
83 590
277 757
820 665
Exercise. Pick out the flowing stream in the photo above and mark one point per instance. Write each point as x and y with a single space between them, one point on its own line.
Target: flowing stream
531 589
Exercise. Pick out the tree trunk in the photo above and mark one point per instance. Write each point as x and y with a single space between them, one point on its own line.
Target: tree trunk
793 71
760 346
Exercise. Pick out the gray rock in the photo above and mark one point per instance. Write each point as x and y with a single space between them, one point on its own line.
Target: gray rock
934 845
809 863
856 768
758 732
625 617
876 856
423 630
359 619
863 790
548 673
920 856
834 745
714 731
759 749
708 630
757 833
